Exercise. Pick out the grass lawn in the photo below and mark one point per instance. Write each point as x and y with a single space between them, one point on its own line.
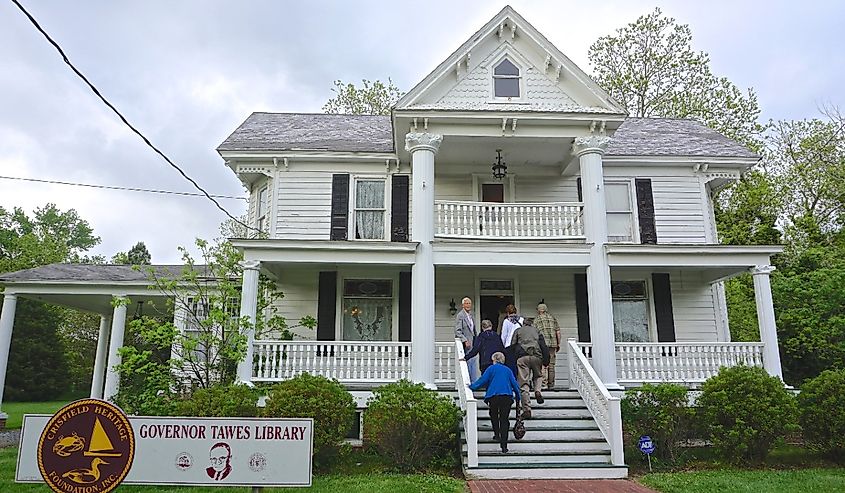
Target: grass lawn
736 481
345 479
16 410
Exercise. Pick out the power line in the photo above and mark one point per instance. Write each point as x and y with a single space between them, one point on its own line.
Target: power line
113 187
120 115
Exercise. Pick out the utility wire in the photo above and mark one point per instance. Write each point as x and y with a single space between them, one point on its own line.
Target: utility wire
120 115
112 187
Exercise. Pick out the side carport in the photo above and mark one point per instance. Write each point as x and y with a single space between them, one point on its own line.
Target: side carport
87 287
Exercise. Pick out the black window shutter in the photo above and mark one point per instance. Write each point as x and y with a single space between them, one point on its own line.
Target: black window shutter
404 307
340 207
580 192
399 208
645 209
326 305
582 308
663 307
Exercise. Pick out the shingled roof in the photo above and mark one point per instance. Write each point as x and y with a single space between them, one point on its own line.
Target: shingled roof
374 133
92 273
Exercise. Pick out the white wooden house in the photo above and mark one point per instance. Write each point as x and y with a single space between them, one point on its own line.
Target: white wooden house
380 225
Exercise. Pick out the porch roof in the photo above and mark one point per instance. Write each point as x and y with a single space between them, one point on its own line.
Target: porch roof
716 262
320 252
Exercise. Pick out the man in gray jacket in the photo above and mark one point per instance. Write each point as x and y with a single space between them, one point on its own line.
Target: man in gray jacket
465 331
531 354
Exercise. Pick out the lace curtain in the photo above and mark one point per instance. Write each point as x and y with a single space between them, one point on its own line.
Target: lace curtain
367 319
369 210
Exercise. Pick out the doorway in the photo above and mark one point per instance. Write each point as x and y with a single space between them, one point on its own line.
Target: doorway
493 192
493 308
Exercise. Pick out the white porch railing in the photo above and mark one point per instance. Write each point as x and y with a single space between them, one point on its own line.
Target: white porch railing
345 361
468 405
455 219
686 362
604 408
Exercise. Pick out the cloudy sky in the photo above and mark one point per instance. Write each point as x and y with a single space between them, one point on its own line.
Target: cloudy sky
188 72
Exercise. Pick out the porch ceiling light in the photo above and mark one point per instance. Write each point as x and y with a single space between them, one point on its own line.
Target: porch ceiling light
500 169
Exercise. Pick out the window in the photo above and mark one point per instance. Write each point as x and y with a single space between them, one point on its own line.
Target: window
369 218
261 210
506 80
367 309
630 311
620 217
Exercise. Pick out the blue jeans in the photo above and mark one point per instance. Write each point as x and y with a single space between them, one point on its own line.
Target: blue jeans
472 366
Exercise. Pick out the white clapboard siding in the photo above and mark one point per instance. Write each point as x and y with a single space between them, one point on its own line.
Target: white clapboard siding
304 205
450 283
692 304
453 187
545 189
300 299
678 214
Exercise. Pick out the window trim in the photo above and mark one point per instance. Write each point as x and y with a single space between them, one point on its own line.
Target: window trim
648 297
353 209
632 211
261 218
518 77
521 64
352 274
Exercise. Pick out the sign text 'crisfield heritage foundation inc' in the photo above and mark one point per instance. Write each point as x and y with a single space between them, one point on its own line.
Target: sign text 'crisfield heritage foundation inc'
198 451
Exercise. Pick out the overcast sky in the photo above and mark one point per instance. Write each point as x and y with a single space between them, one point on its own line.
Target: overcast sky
187 73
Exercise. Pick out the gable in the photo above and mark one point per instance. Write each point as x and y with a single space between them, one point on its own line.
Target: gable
549 81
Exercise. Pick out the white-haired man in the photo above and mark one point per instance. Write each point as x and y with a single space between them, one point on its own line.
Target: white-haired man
466 332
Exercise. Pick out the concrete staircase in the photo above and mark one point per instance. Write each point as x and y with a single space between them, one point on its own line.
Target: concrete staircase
561 441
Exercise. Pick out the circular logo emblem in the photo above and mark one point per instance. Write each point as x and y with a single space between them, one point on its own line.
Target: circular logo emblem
88 445
257 462
184 461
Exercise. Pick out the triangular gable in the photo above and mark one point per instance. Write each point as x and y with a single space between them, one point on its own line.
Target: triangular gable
551 82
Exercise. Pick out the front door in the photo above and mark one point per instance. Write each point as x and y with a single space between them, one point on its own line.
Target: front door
493 192
493 309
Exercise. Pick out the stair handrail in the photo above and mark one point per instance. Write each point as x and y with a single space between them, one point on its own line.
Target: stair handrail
468 404
604 408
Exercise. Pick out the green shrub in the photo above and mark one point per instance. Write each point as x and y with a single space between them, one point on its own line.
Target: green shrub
659 411
221 400
821 405
745 410
411 426
309 396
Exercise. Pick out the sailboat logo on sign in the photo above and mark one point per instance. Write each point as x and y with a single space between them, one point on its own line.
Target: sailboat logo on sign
87 445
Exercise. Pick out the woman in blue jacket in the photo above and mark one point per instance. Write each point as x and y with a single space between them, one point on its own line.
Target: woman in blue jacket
502 390
485 344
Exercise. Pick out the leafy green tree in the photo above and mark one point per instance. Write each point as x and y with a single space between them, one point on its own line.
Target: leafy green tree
137 255
650 68
42 362
373 98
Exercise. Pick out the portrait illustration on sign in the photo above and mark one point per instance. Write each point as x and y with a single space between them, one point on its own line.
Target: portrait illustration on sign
87 445
220 459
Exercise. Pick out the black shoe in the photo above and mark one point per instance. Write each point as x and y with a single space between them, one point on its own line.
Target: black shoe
496 437
539 397
504 450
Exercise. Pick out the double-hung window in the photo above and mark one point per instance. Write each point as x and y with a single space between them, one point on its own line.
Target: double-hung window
620 214
630 311
261 210
506 80
369 218
367 309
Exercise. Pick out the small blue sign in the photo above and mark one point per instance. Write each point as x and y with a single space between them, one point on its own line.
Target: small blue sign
646 445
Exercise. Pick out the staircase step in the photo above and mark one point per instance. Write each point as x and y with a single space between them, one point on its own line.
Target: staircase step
546 423
547 471
548 404
547 435
547 447
517 458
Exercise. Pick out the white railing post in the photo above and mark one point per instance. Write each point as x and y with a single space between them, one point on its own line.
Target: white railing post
468 404
485 220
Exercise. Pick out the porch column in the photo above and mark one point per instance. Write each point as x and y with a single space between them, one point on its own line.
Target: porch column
589 151
118 327
766 319
249 306
423 147
7 322
100 358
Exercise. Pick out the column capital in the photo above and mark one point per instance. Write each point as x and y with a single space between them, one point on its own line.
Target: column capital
590 144
759 270
10 295
415 141
250 264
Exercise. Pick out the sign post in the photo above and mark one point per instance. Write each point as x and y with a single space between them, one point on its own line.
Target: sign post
646 446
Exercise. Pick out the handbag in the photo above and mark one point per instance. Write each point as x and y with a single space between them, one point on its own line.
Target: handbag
519 427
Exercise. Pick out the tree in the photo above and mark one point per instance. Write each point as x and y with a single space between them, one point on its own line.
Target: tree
650 68
137 255
38 359
374 98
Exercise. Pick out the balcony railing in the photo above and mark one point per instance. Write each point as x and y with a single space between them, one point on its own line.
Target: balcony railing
347 362
486 220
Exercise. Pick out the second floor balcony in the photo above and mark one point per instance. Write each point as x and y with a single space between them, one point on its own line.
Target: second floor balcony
511 221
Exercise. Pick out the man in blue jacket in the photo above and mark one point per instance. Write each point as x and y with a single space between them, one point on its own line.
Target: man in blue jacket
502 389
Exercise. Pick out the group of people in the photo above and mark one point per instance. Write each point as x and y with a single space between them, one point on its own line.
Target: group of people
509 363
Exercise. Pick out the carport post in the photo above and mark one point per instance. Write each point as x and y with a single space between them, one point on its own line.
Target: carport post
7 321
118 326
100 358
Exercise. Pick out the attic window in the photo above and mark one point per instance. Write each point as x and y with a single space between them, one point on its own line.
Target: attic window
506 80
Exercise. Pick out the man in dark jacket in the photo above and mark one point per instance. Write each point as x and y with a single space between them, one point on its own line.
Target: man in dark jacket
531 354
485 344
